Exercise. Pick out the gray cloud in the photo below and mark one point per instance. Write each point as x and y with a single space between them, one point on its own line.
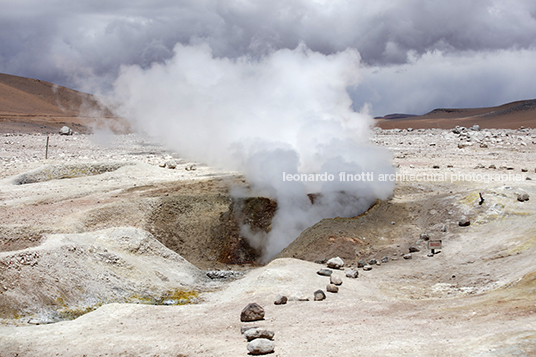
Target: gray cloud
82 44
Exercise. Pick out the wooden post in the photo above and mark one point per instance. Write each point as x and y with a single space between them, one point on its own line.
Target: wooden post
46 151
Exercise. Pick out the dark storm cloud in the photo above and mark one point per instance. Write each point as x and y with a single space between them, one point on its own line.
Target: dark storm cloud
82 44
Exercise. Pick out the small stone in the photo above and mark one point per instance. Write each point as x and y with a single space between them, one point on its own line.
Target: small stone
372 262
171 164
436 166
464 222
414 249
319 295
335 263
261 346
332 288
325 272
335 280
244 328
385 259
407 256
361 263
252 312
65 130
258 332
425 236
320 261
281 300
367 268
430 255
483 145
475 127
444 228
352 273
523 197
492 166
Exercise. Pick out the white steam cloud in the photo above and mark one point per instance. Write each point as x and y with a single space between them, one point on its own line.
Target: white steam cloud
288 112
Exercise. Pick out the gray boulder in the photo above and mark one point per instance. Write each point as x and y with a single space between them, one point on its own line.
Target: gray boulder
252 312
372 262
281 300
464 222
332 288
414 249
335 263
522 197
408 256
319 295
385 260
361 263
352 273
325 272
335 280
367 268
261 346
258 332
65 130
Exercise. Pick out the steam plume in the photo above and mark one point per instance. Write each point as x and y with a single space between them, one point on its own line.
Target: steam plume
287 112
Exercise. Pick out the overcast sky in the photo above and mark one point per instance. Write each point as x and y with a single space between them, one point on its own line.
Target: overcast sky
416 55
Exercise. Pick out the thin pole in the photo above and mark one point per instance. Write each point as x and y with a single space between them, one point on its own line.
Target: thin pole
46 152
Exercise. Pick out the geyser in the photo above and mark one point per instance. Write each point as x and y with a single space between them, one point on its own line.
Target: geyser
287 112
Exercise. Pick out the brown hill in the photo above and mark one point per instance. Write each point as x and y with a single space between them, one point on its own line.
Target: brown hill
32 105
507 116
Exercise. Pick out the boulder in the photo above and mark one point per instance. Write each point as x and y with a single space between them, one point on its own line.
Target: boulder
335 263
319 295
522 197
361 263
464 222
281 300
332 288
335 280
352 273
325 272
65 130
258 332
252 312
261 346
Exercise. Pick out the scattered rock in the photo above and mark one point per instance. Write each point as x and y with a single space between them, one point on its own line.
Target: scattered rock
414 249
524 170
361 263
320 261
319 295
407 256
261 346
244 328
332 288
367 268
252 312
281 300
483 145
65 130
335 280
385 259
258 332
335 263
492 166
325 272
430 255
444 228
171 164
223 274
425 236
522 197
475 127
353 273
436 166
372 262
464 222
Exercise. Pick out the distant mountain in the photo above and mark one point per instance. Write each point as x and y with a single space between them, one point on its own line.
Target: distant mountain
33 105
507 116
396 116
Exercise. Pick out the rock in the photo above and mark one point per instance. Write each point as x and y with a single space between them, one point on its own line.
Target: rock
436 166
464 222
524 170
223 274
430 255
352 273
444 228
361 263
425 236
492 166
281 300
385 259
335 263
252 312
367 268
475 127
335 280
325 272
320 261
319 295
171 164
332 288
258 332
372 262
522 197
483 145
261 346
407 256
414 249
65 130
298 298
244 328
